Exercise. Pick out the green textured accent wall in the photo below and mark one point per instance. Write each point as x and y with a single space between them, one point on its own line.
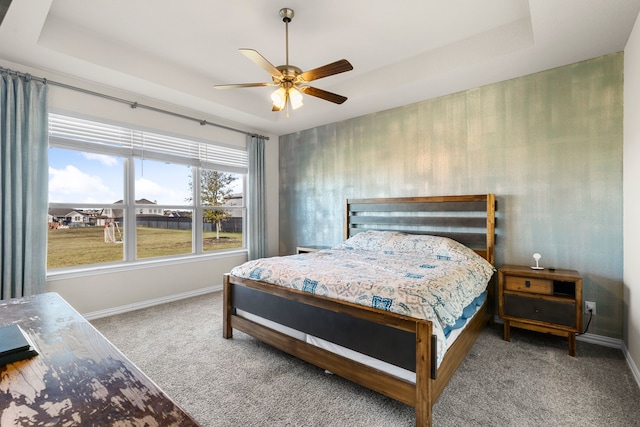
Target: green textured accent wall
549 145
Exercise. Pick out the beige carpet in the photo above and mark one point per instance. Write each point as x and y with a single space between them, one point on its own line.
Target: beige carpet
530 381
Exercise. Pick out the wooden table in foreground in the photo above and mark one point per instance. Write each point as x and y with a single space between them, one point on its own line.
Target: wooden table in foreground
79 378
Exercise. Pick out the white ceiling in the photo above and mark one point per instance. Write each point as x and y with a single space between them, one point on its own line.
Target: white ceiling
402 52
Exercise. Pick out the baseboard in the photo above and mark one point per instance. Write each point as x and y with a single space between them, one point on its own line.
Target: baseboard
601 340
149 303
634 368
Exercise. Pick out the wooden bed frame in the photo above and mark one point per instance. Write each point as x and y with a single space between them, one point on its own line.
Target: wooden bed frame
467 219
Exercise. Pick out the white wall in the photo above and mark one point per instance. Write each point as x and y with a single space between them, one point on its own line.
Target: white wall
631 182
111 291
104 291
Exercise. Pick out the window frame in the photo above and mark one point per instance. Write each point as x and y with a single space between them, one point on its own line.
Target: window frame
130 207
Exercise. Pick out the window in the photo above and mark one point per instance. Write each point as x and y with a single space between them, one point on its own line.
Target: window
120 195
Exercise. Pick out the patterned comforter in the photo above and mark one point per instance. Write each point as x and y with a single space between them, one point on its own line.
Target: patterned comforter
426 277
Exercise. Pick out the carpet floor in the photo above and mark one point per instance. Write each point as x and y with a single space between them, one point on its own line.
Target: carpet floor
530 381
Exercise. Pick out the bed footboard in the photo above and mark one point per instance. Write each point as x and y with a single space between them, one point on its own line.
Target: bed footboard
430 382
418 395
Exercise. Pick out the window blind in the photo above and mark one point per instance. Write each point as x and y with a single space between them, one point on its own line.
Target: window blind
82 134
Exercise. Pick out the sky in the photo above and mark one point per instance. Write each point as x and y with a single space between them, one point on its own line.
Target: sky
78 177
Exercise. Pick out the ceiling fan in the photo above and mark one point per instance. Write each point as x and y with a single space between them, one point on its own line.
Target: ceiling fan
291 80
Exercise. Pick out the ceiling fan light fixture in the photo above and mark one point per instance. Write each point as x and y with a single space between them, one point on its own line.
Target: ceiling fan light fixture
296 98
279 98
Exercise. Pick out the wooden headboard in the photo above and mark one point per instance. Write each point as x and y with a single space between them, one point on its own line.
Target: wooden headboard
468 219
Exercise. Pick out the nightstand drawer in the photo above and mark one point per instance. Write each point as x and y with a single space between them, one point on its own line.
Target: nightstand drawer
543 310
525 284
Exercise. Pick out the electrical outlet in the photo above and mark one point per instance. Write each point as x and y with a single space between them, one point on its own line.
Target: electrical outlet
590 306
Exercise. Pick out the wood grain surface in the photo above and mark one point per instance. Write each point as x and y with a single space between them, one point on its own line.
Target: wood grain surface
79 377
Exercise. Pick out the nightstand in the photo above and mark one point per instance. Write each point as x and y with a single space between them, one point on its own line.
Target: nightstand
312 248
547 301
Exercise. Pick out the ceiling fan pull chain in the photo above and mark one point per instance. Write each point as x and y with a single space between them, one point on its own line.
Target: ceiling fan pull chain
287 104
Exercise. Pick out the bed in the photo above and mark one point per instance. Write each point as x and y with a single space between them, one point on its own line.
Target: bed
379 341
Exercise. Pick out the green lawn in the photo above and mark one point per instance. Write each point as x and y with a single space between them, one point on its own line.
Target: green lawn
86 245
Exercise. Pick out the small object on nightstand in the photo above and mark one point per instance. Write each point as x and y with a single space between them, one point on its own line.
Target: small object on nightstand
541 300
537 257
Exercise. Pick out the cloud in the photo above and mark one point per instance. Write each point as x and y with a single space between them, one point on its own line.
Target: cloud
102 158
70 185
152 191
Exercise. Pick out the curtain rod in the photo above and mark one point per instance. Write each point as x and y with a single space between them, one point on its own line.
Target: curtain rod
131 104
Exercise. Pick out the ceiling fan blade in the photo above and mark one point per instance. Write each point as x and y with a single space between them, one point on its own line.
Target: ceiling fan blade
323 94
327 70
261 61
235 86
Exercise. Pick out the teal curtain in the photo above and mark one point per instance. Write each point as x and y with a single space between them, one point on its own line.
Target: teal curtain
256 198
24 168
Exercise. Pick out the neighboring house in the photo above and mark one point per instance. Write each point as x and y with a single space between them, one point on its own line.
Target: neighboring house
80 218
151 210
235 200
72 218
109 214
178 214
76 218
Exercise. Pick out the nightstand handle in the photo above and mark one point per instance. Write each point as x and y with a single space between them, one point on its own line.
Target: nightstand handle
537 309
527 284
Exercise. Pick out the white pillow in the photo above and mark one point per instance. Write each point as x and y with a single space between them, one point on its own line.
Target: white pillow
425 244
370 240
428 245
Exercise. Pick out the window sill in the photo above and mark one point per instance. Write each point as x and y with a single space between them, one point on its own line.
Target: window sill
84 271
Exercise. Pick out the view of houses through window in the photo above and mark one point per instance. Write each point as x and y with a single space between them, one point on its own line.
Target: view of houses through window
110 205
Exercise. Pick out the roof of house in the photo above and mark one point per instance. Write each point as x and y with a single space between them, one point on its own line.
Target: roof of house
142 201
63 212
